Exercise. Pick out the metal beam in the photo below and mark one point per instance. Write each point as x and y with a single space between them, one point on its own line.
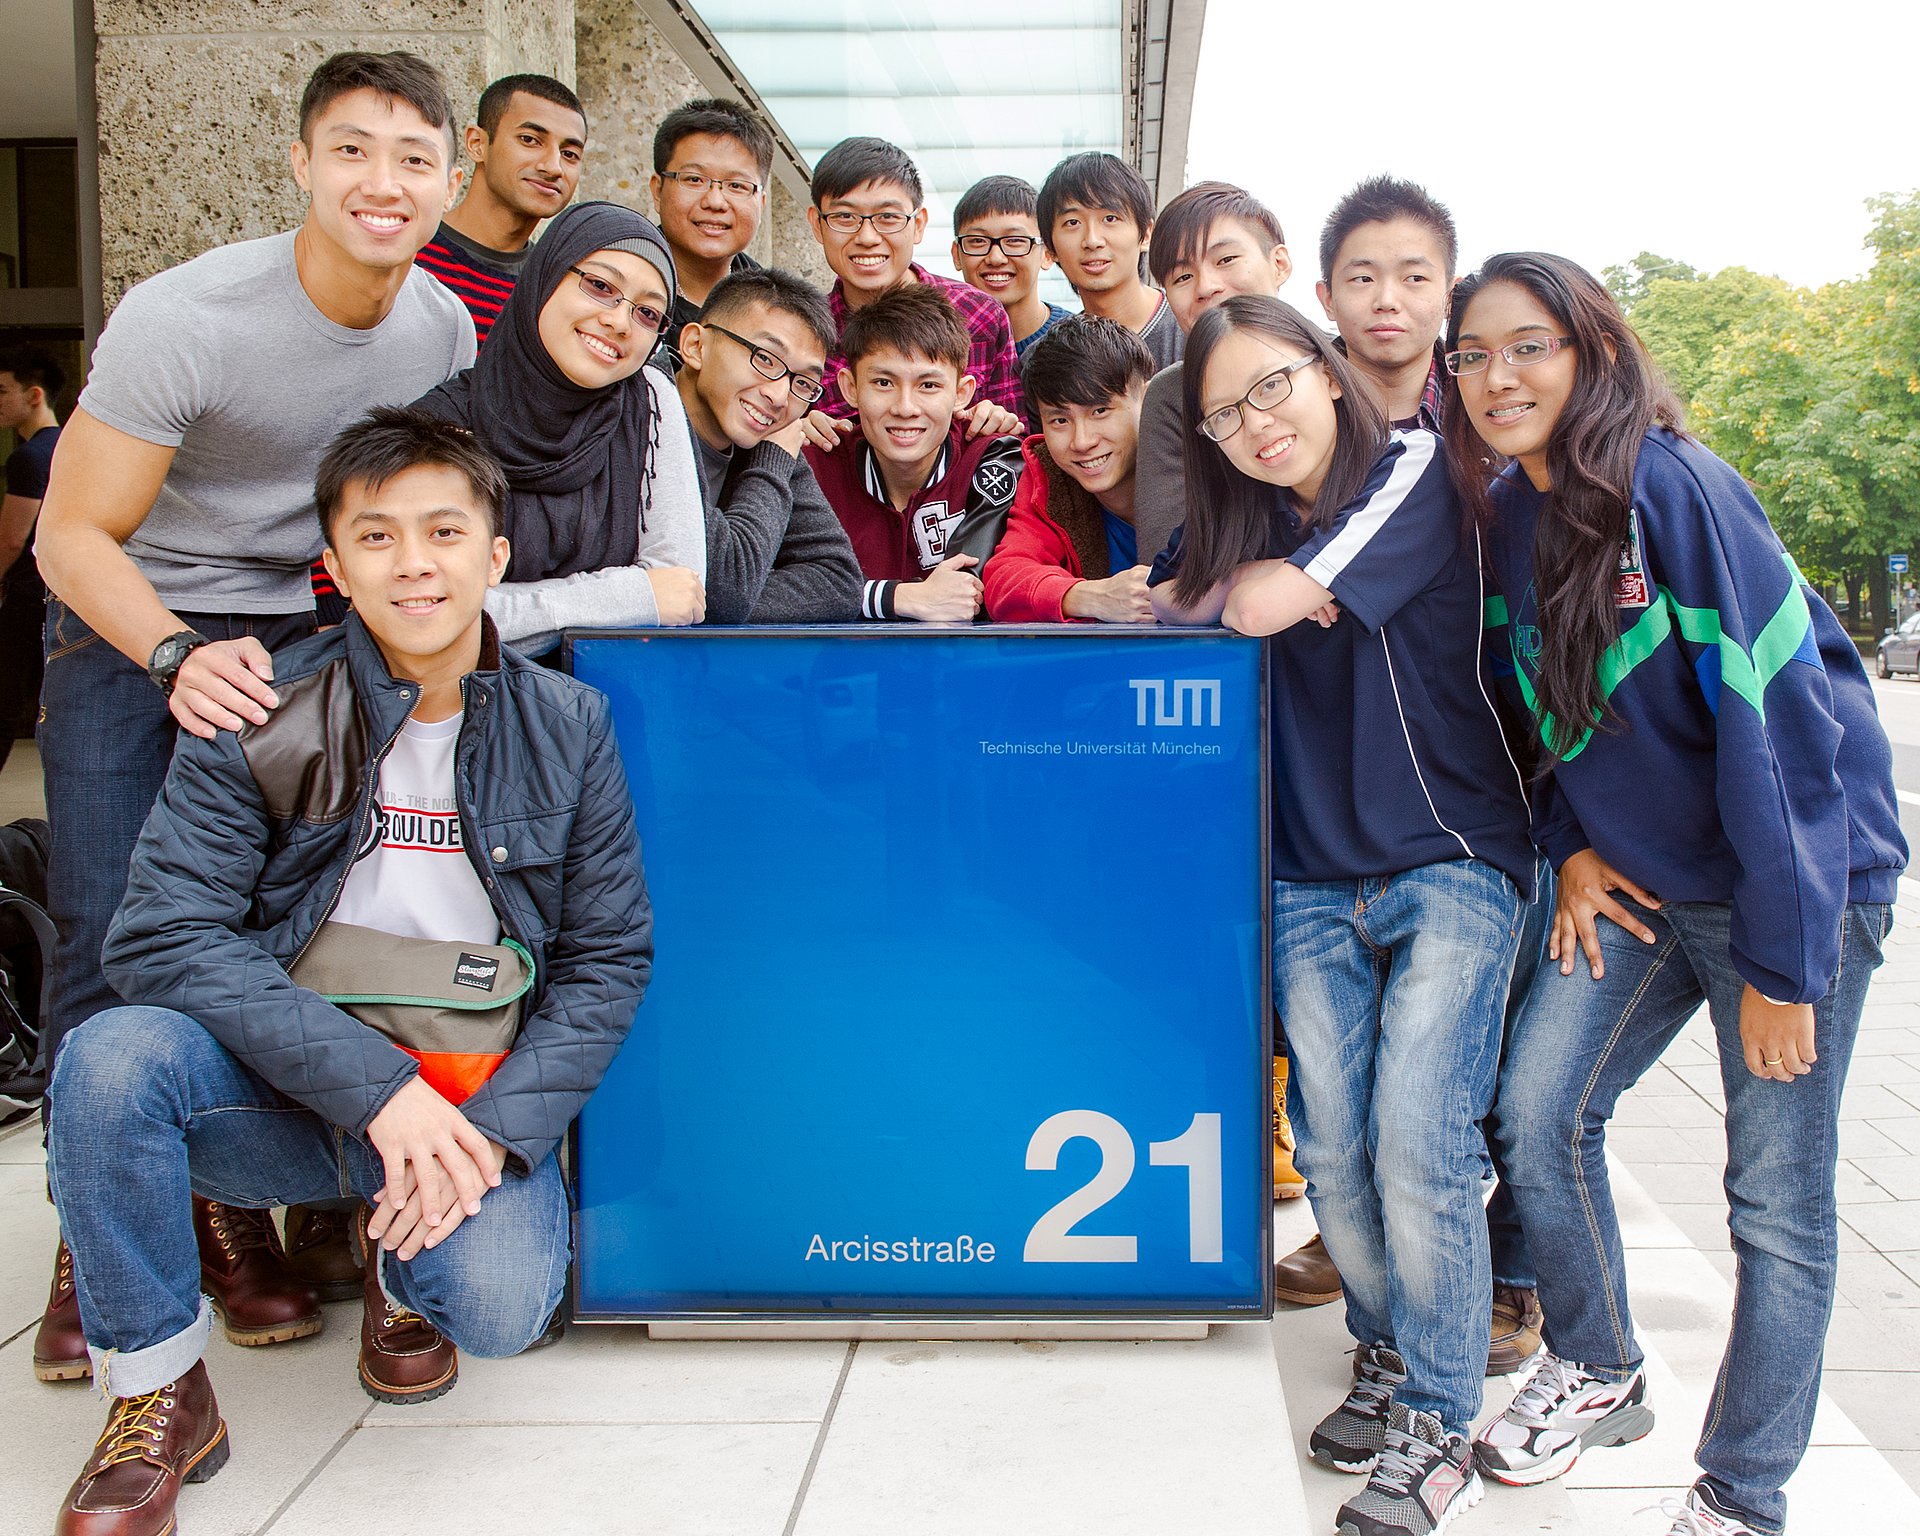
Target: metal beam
1162 58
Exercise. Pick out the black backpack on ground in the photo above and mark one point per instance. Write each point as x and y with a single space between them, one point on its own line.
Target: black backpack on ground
26 956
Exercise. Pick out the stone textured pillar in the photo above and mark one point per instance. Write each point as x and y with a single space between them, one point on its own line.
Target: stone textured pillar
198 103
630 78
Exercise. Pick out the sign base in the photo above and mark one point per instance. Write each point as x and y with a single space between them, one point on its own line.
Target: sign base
929 1330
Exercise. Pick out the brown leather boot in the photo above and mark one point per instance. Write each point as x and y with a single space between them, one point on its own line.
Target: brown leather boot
403 1357
1287 1182
152 1444
320 1251
1516 1329
59 1347
243 1269
1306 1277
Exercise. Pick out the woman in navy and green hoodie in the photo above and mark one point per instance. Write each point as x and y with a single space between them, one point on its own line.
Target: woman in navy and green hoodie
1717 787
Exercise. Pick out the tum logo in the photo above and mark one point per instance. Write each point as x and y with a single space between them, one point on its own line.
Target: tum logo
1195 700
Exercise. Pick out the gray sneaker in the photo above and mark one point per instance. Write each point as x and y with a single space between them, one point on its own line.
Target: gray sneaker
1349 1438
1424 1478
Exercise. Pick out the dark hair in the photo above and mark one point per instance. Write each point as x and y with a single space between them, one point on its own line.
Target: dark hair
391 439
915 319
1619 394
396 76
855 162
777 289
1180 233
1085 360
33 366
722 119
1229 516
1004 195
495 99
1375 202
1094 180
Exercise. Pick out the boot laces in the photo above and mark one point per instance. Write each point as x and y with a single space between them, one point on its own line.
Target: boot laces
316 1231
134 1427
242 1229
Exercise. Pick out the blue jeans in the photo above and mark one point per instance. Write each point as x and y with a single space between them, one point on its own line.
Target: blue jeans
1392 989
1506 1241
147 1105
1578 1046
106 739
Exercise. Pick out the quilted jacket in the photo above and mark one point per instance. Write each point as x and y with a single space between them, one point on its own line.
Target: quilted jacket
246 851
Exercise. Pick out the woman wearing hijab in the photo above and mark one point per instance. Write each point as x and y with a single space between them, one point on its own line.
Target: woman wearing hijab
604 510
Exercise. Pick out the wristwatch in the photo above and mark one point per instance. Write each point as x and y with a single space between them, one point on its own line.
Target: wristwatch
170 655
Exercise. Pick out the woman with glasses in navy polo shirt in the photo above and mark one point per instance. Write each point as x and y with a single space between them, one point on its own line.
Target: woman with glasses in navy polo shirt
1717 796
1400 862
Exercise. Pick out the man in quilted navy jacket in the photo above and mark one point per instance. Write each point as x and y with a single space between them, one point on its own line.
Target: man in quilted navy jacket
415 780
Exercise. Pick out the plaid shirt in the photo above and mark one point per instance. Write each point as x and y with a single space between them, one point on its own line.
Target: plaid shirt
989 359
1433 399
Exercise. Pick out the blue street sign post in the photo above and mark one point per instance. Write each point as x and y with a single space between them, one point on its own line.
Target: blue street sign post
1896 565
961 1004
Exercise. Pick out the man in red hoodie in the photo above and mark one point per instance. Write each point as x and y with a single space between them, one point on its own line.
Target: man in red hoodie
1069 551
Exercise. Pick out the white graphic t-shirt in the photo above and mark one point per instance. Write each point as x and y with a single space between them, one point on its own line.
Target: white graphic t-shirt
413 877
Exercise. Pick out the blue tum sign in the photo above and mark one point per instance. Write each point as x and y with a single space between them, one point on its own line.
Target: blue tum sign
961 1002
1896 565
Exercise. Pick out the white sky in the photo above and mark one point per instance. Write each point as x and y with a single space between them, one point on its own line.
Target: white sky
1708 131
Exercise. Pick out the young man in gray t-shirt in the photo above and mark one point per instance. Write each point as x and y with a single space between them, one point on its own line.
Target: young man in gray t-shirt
178 526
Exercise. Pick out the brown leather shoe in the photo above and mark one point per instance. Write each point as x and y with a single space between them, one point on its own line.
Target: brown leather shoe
1287 1182
1306 1277
1516 1329
59 1347
152 1444
320 1251
403 1357
243 1269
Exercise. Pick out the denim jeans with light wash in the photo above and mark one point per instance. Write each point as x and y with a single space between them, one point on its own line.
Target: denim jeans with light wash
1392 990
106 740
1580 1044
147 1105
1506 1239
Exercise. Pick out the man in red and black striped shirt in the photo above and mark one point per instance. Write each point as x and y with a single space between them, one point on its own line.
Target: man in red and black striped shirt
526 150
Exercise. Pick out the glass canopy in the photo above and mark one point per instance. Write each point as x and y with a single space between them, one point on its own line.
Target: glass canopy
993 87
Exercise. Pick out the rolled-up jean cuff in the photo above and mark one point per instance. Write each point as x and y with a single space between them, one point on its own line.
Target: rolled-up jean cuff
130 1372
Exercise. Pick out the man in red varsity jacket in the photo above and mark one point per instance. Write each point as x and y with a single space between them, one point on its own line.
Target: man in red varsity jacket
526 150
922 503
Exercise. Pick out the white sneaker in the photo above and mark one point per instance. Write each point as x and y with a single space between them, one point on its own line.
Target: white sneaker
1696 1516
1563 1409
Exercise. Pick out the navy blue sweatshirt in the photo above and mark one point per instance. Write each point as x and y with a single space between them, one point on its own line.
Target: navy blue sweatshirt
1387 754
1746 763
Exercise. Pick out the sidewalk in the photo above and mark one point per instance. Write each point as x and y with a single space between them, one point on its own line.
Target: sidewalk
612 1432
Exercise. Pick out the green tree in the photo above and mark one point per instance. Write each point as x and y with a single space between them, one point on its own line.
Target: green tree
1683 320
1628 283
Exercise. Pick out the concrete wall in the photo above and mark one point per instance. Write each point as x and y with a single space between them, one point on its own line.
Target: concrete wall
631 76
198 102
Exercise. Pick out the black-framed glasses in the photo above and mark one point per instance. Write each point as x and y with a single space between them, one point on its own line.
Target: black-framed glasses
888 221
693 181
770 365
1013 246
607 296
1268 394
1518 354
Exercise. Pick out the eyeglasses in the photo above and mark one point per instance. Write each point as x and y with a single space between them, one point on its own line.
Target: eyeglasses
1518 354
1014 246
770 366
844 221
693 181
1269 393
607 296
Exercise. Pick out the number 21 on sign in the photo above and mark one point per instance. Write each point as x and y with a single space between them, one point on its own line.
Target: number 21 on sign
1197 1149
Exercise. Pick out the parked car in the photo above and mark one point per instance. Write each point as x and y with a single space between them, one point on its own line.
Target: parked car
1899 649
